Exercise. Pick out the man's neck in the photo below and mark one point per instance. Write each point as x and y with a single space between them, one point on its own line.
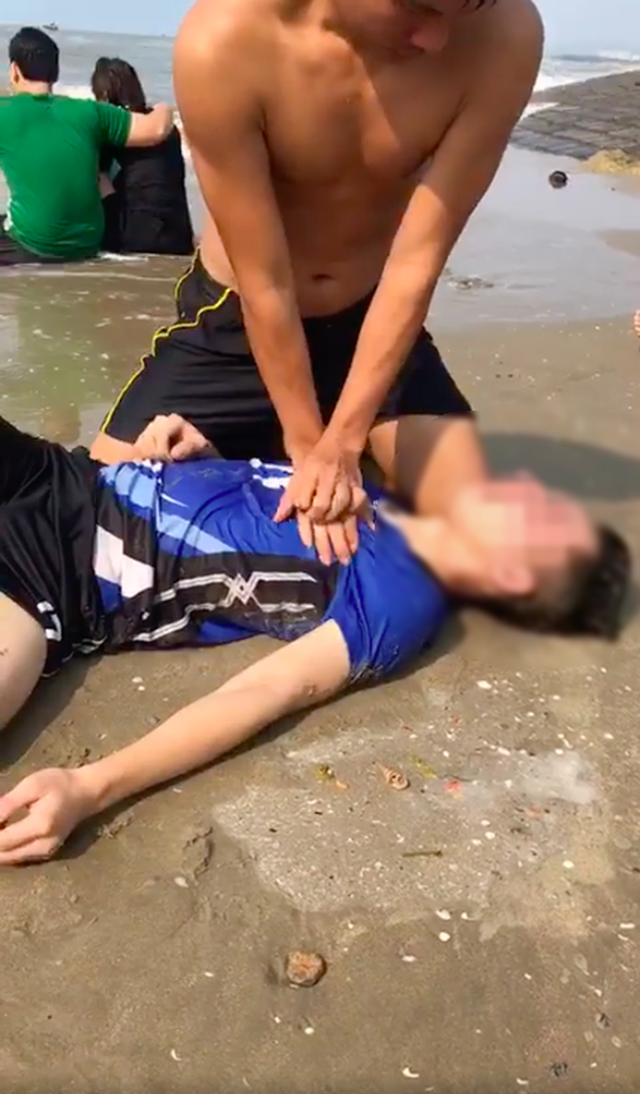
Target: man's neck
34 87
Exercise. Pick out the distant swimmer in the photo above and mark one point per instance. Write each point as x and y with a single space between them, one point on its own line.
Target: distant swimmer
147 212
636 323
49 152
341 147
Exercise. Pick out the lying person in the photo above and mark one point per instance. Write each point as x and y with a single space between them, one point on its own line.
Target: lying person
145 554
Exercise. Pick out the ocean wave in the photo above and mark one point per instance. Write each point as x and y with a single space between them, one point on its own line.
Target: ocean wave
74 91
622 56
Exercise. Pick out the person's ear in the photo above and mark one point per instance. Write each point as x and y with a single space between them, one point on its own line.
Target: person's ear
513 579
14 74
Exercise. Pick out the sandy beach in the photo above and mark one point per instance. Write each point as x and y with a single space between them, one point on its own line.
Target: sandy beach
481 930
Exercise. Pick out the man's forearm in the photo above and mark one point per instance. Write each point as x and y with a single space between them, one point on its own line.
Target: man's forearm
393 322
190 739
279 346
296 676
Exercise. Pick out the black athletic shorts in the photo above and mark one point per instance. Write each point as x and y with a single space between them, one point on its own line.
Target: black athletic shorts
12 254
47 530
202 368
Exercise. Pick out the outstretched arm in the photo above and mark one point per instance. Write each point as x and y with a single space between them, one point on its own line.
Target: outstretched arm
294 677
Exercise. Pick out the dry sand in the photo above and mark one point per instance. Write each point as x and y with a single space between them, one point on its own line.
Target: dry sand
482 928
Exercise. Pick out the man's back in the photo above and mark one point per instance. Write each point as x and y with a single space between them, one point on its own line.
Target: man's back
49 150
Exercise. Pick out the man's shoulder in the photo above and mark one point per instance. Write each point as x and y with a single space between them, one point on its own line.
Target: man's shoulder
230 21
74 107
513 26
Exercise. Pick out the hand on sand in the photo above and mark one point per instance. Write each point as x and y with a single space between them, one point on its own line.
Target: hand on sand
326 494
56 800
171 438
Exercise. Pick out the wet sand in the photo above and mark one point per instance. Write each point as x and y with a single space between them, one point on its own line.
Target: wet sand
482 928
70 339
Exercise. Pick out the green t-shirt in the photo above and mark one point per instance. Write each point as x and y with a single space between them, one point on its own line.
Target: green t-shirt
49 153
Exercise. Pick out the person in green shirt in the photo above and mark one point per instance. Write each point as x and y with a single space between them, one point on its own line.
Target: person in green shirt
49 153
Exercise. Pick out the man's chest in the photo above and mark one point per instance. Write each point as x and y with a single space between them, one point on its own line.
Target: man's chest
330 121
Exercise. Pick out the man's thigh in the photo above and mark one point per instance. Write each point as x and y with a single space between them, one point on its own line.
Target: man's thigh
201 368
426 440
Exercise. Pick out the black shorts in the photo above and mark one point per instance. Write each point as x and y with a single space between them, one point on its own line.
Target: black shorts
12 254
202 368
47 531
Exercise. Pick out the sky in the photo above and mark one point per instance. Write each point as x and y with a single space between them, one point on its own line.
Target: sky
572 25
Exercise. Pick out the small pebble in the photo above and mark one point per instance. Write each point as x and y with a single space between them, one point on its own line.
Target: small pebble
568 864
443 914
309 1030
616 1042
444 937
181 882
627 926
489 835
484 685
137 680
305 970
409 959
409 1074
174 1056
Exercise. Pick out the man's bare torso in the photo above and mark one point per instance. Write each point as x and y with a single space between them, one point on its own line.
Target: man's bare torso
347 138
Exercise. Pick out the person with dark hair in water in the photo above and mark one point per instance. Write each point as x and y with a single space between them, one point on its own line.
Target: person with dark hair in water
150 555
147 212
49 152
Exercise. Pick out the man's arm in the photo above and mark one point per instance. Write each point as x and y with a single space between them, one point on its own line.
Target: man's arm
300 675
220 68
119 128
150 129
458 176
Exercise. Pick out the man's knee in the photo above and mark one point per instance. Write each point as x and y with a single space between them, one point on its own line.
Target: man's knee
23 652
427 459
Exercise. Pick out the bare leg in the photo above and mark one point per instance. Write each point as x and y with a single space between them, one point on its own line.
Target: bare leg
428 460
636 323
23 651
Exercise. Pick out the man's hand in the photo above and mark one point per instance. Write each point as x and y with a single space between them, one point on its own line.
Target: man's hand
171 438
326 493
56 801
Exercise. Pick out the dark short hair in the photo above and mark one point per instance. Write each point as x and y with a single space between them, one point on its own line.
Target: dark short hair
116 81
588 599
36 55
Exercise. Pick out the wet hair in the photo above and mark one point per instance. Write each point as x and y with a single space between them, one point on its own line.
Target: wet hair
589 598
36 55
116 81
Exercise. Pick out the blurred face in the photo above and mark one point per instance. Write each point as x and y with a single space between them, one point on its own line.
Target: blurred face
406 27
522 534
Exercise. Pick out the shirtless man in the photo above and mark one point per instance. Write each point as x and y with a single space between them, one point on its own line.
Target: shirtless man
341 146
